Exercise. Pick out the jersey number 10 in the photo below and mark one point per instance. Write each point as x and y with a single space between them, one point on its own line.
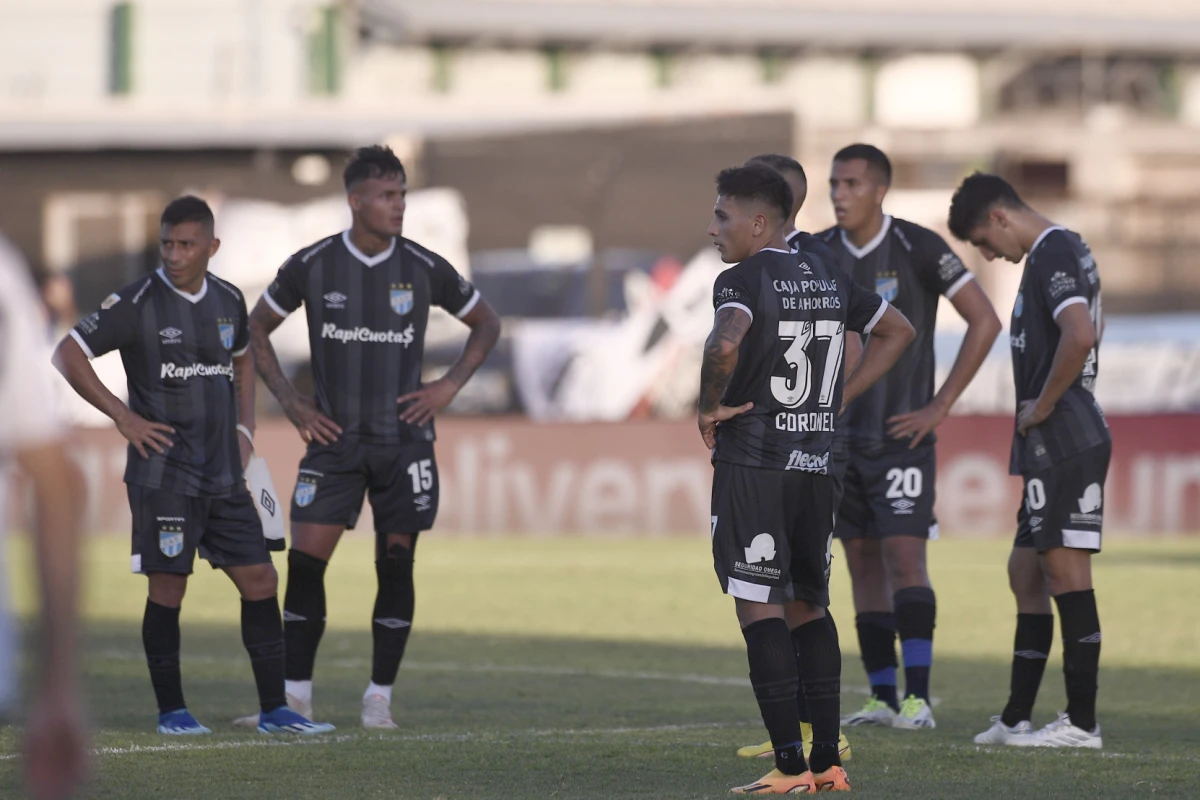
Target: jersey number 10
792 390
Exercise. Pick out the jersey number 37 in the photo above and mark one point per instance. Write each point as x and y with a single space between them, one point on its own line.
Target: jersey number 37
793 390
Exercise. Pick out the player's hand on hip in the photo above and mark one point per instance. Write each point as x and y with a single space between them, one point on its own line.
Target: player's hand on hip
310 422
55 745
144 434
916 424
708 421
1028 415
427 401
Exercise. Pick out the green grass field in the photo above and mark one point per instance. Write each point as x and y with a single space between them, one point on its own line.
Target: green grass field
613 668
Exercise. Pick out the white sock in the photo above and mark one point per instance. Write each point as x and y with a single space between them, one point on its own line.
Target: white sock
374 688
301 690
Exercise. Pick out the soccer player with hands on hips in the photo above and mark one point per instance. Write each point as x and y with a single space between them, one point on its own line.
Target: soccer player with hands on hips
886 514
1061 447
839 457
184 338
367 294
770 391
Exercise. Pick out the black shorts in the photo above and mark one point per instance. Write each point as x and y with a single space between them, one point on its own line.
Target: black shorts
890 494
401 482
771 533
839 462
169 527
1064 505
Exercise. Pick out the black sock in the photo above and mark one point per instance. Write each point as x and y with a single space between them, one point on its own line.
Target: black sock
392 617
303 614
160 638
916 611
262 634
821 679
1031 648
775 679
877 642
1080 624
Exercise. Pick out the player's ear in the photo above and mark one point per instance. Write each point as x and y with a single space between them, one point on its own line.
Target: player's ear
355 200
214 246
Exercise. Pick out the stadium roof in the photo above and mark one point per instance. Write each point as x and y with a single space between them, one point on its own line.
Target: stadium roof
1149 26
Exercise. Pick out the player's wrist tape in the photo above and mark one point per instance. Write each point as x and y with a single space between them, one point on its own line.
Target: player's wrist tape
242 429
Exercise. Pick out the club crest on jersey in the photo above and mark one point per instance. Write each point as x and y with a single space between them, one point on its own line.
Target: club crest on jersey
170 540
226 329
887 287
1019 306
306 490
402 298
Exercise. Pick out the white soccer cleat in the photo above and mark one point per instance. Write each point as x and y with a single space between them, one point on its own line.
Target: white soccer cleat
1062 733
875 712
915 714
1000 733
294 703
377 714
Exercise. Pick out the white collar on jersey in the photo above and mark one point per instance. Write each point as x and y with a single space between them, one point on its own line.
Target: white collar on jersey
775 250
370 261
871 245
1043 235
191 298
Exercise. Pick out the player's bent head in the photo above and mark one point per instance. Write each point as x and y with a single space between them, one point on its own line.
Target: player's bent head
792 172
376 161
981 212
878 166
753 203
187 241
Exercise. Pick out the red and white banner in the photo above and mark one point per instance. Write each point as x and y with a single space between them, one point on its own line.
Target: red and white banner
504 476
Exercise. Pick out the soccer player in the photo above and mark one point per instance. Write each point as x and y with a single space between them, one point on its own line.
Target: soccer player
367 294
770 390
886 514
32 436
1061 448
183 336
798 240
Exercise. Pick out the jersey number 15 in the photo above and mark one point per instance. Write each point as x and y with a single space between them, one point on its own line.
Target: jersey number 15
793 389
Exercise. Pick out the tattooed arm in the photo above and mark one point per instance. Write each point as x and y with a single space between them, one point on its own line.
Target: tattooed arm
244 388
302 411
720 359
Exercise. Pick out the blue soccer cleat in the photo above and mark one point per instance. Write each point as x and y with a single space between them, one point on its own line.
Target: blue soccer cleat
180 723
284 720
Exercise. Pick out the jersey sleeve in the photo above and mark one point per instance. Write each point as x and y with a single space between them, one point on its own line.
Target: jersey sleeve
286 292
864 309
938 268
110 327
241 339
450 290
732 290
1056 275
27 399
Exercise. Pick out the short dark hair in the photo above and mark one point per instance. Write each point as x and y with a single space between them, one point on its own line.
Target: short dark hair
779 162
188 208
978 194
375 161
874 157
757 182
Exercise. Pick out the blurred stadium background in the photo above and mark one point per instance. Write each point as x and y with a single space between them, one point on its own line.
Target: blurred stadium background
562 154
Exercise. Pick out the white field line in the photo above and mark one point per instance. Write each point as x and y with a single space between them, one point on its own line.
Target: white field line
264 741
565 733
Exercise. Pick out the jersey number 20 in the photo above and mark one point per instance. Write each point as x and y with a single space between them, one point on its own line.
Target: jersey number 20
792 390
